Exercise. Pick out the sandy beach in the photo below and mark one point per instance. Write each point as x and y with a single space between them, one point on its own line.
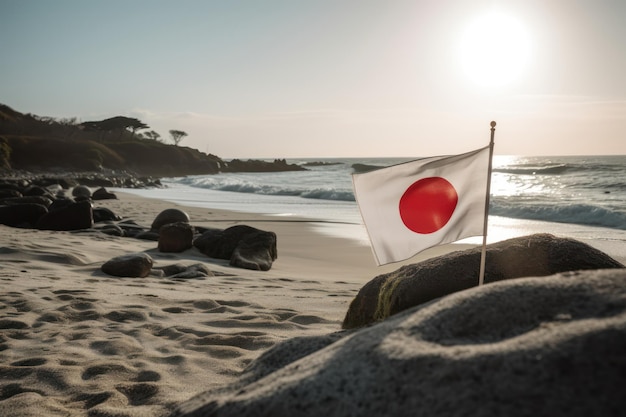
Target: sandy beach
75 341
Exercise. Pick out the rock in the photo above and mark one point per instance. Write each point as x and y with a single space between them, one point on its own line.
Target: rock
147 235
134 265
221 244
172 269
186 271
82 198
169 216
4 186
35 190
255 165
411 285
102 194
56 190
37 199
132 229
15 183
60 203
191 274
96 181
66 182
9 193
81 191
112 230
212 243
103 214
256 251
550 346
175 237
75 216
244 246
22 215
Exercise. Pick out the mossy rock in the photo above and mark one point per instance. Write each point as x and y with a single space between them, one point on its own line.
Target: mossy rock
415 284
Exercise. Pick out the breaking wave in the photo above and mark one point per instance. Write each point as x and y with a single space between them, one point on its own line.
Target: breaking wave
244 184
578 190
583 214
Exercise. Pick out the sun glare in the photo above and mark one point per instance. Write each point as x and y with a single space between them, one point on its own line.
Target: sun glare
494 50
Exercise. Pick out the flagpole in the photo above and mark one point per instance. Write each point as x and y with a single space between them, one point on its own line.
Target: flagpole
483 254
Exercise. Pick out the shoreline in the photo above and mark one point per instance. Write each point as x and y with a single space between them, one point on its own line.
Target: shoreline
299 241
611 241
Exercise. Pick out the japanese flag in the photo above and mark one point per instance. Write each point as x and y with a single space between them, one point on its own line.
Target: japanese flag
410 207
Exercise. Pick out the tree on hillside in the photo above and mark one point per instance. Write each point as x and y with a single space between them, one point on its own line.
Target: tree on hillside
135 124
177 136
117 123
152 135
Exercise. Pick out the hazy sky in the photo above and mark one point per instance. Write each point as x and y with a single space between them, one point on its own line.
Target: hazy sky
329 78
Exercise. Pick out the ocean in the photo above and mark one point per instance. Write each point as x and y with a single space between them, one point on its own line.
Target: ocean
576 196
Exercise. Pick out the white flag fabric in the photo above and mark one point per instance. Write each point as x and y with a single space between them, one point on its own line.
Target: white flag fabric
413 206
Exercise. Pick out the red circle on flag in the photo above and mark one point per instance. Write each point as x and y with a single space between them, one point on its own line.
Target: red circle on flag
427 205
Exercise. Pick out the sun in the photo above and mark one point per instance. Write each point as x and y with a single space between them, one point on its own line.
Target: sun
494 50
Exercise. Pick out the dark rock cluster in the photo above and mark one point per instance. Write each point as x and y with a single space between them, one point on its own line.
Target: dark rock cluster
106 178
66 204
243 246
46 203
140 265
255 165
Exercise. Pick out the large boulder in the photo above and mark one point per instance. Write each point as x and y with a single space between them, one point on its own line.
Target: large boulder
111 230
36 190
74 216
104 214
22 215
175 237
168 216
220 244
81 191
411 285
244 246
551 346
256 251
102 194
134 265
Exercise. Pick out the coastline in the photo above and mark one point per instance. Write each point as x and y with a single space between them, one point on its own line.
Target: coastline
350 227
78 341
305 250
